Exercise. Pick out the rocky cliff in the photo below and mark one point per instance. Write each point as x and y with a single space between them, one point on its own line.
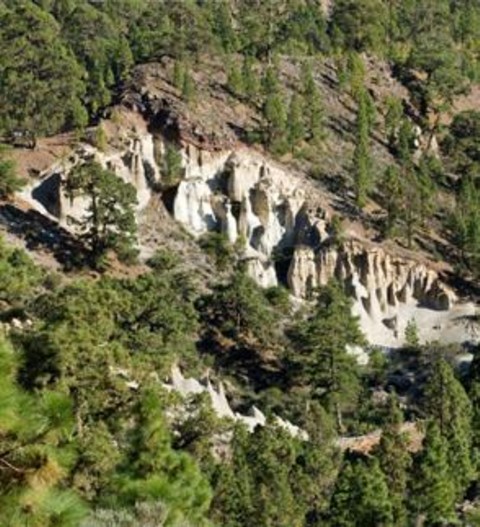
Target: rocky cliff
278 219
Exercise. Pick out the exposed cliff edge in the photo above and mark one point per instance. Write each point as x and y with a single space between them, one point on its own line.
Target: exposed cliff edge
279 220
282 232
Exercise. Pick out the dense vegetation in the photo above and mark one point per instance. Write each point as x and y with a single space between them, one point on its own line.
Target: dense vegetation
89 435
65 60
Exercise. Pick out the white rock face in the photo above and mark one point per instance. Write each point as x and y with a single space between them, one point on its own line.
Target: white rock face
192 206
244 196
135 164
262 272
220 405
261 208
302 274
388 292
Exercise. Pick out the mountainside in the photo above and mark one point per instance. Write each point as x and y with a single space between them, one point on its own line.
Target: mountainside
280 220
239 262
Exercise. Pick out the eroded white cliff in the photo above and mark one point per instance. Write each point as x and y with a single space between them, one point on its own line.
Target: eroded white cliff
388 291
186 387
134 162
253 201
264 210
260 204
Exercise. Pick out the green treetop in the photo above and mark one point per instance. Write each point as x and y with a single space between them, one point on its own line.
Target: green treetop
36 452
320 359
9 181
42 84
296 127
448 405
313 104
361 495
109 221
432 487
362 162
395 460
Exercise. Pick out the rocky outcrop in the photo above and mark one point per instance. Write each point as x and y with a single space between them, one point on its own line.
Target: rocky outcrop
134 162
188 386
253 201
267 211
378 279
388 291
263 210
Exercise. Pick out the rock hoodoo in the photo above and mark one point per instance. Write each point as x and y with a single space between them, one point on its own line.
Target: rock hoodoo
270 215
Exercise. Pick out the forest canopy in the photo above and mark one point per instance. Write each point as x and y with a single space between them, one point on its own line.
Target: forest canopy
64 61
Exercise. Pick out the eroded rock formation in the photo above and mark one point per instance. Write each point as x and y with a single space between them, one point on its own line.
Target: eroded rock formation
134 162
187 387
388 290
270 215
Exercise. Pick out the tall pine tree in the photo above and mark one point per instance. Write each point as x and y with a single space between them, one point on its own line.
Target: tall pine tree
320 360
313 104
395 460
296 128
448 405
432 490
362 161
361 496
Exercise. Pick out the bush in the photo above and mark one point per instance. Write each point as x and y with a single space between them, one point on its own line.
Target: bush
217 246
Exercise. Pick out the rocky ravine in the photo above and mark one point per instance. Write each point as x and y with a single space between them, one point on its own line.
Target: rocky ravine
267 210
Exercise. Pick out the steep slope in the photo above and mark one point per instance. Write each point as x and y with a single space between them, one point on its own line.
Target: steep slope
283 223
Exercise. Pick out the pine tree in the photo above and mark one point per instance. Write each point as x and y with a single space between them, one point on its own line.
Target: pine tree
465 222
393 119
158 472
36 453
362 174
9 181
393 198
223 27
432 489
270 82
249 79
235 80
101 140
313 104
448 405
411 334
233 503
276 118
360 497
320 359
405 143
356 74
43 85
172 166
178 74
362 163
474 396
188 88
395 460
296 128
274 112
272 455
109 222
239 310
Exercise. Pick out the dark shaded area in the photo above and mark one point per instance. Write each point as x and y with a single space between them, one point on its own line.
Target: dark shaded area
47 193
463 286
247 363
41 233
